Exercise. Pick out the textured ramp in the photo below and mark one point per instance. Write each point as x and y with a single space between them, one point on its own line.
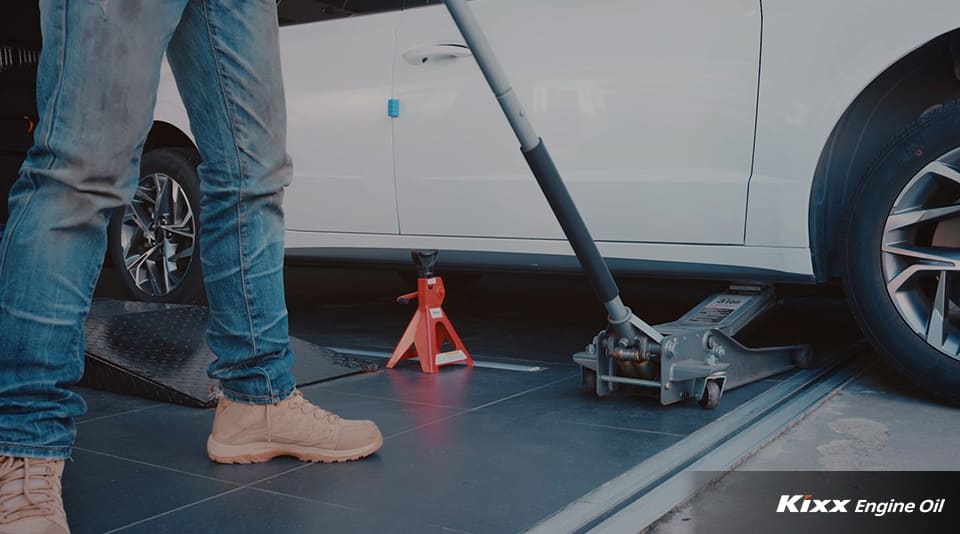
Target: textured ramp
159 352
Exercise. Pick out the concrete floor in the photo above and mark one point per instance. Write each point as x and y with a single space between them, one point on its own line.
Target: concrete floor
875 423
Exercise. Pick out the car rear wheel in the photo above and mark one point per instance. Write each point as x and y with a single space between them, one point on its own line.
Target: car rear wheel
902 253
154 241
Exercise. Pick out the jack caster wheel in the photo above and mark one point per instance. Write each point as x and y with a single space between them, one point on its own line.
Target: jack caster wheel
711 395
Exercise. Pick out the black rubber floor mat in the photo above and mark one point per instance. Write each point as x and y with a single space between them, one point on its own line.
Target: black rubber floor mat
159 352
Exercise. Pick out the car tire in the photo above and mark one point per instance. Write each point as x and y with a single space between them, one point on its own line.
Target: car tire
162 222
901 237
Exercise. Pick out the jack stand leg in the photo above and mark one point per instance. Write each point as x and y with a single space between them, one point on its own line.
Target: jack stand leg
406 346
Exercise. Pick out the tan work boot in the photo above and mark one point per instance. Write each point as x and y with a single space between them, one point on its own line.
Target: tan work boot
30 498
246 433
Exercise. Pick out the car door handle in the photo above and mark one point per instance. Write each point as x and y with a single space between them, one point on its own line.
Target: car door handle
425 54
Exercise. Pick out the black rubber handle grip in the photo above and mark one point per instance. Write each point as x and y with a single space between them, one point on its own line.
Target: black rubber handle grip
540 162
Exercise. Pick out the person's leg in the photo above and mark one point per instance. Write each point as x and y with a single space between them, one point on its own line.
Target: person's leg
96 82
226 59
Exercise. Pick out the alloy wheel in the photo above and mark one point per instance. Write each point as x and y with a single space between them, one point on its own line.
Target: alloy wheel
921 253
158 235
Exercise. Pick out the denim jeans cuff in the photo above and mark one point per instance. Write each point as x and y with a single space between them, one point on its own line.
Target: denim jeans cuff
19 450
277 396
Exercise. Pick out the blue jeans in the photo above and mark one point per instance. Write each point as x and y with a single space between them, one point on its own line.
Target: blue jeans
96 89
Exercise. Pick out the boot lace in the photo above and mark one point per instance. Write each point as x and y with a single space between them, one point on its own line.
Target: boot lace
297 402
19 498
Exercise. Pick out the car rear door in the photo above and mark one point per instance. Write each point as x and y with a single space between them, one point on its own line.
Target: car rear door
648 108
338 68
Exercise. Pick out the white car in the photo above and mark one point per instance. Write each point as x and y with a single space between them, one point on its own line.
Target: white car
762 140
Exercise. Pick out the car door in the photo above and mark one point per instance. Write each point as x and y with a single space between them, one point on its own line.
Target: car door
647 107
338 66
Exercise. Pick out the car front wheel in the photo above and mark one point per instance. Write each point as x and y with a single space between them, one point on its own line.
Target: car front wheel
902 253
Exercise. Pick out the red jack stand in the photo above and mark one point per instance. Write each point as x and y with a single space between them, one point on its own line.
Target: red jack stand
430 326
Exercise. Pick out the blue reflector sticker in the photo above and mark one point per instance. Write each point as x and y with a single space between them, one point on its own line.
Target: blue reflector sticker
393 107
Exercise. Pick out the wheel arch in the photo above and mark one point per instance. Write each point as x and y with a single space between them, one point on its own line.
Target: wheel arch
163 134
920 81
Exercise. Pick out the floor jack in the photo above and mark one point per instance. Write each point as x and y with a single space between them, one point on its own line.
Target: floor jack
693 357
697 357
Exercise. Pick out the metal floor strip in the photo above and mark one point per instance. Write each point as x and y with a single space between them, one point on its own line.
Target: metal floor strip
476 363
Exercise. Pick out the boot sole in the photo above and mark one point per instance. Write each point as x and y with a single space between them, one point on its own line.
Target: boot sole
252 453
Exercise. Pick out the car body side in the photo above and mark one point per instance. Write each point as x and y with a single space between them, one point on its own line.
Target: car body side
835 82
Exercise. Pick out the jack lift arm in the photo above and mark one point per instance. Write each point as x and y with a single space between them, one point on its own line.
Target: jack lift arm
694 357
